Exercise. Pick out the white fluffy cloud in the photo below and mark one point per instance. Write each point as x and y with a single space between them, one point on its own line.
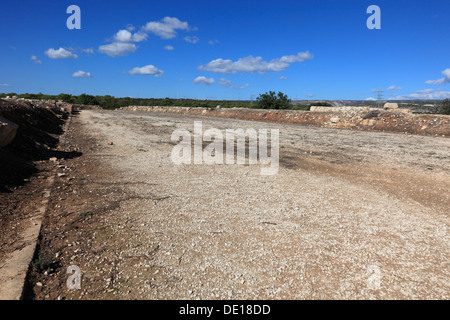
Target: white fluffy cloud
254 64
61 53
117 49
36 60
88 51
146 70
123 36
82 74
227 83
127 36
445 79
166 28
424 91
394 88
192 39
4 85
122 41
204 80
426 94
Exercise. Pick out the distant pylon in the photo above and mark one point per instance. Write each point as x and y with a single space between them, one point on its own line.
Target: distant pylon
379 97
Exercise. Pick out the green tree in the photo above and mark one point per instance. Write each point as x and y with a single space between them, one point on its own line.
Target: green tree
446 106
106 102
65 97
86 99
273 101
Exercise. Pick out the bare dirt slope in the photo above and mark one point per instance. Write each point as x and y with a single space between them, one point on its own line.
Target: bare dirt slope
350 215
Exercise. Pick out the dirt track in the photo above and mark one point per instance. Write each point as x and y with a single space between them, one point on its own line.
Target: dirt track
350 215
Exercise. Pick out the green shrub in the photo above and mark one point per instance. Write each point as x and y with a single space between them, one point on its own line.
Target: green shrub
272 101
40 264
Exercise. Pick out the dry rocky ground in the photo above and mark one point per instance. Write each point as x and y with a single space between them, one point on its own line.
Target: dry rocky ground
350 215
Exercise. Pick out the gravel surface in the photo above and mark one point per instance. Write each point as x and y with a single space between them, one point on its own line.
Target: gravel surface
350 215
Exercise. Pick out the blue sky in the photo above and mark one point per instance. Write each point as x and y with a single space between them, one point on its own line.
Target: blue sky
308 49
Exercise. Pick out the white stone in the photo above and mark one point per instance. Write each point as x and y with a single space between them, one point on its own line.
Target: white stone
390 106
